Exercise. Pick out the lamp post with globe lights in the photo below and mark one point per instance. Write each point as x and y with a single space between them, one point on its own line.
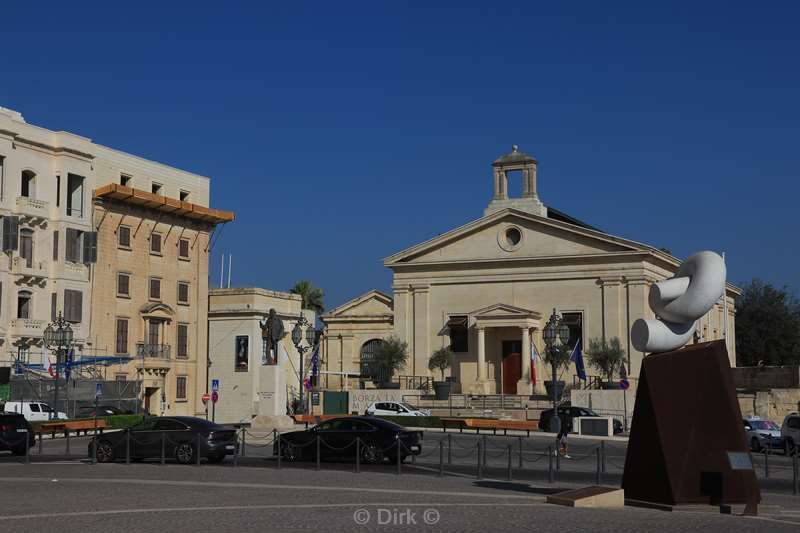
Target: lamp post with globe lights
58 337
297 340
554 330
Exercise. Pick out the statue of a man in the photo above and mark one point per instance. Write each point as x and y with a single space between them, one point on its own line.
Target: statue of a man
271 332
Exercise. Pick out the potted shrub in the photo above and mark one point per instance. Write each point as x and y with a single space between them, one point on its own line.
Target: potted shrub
441 360
558 356
390 356
606 356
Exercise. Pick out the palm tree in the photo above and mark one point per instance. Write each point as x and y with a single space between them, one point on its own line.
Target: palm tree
311 295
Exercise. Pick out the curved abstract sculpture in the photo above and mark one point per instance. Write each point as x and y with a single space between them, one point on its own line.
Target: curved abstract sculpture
679 301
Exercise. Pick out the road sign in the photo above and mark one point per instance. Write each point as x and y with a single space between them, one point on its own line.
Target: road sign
206 397
215 385
98 389
214 396
624 384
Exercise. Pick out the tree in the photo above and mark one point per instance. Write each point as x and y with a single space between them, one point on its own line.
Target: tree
767 326
312 296
606 356
390 357
558 354
441 360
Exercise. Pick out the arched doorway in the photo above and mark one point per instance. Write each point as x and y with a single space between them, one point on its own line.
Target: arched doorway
368 367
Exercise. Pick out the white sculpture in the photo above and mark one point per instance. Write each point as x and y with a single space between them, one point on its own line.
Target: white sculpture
679 301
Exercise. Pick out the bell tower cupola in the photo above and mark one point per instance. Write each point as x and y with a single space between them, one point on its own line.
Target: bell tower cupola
503 166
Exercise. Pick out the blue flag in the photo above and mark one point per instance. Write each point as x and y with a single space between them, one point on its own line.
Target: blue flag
577 358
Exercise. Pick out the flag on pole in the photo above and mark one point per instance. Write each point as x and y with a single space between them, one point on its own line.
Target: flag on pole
577 358
315 362
534 359
623 377
48 367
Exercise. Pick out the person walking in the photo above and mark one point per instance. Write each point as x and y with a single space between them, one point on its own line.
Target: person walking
562 441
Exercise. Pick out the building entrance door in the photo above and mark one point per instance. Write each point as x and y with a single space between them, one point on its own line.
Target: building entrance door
150 399
512 365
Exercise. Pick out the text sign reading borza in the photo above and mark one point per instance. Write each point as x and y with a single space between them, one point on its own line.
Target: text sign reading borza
740 461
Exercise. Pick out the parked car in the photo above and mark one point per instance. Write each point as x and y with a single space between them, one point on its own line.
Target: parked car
377 440
790 432
102 410
34 411
394 409
762 434
566 413
13 428
180 434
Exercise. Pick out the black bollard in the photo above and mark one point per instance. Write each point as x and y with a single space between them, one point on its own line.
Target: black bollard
128 446
485 448
358 455
27 447
318 455
163 448
550 464
603 456
441 458
449 449
197 451
40 443
280 451
244 442
236 452
399 456
598 477
520 452
794 473
508 473
66 437
480 470
766 465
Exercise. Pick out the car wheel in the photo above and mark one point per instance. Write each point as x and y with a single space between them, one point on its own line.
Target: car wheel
289 452
184 453
755 445
371 454
104 452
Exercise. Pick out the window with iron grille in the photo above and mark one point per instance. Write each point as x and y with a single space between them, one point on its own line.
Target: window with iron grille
124 237
155 289
575 323
183 340
155 243
368 364
123 284
183 249
183 292
180 388
122 335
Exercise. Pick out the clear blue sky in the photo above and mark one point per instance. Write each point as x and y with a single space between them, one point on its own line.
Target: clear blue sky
342 132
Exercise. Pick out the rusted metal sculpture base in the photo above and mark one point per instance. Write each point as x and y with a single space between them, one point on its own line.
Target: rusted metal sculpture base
687 442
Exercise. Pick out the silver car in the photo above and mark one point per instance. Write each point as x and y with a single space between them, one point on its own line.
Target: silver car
762 434
790 431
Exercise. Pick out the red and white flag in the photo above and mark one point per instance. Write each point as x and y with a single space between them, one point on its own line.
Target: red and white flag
534 358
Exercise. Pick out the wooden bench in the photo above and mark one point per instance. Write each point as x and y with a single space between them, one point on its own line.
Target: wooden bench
487 423
75 426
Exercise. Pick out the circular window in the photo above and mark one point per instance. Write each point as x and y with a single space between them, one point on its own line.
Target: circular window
513 236
510 238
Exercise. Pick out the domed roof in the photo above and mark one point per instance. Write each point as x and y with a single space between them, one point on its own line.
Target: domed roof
513 157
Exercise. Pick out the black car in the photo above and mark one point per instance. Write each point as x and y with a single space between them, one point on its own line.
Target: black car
13 429
378 440
181 437
566 413
103 410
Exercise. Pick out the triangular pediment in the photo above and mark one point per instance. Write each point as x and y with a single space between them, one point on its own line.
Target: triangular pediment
503 310
372 303
538 237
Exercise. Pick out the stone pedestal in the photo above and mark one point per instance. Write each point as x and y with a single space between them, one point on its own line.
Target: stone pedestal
524 387
270 394
480 386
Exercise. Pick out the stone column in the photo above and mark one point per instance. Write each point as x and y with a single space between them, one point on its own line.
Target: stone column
481 354
524 383
541 370
526 184
496 184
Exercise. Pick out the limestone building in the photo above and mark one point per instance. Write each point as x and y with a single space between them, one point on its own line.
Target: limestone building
487 288
116 243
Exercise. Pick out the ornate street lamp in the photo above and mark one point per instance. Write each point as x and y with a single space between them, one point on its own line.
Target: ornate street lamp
555 329
297 340
58 336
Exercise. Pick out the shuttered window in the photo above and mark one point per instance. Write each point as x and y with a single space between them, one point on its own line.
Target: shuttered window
183 248
73 305
55 246
124 237
74 245
53 306
180 388
183 292
122 335
155 289
155 243
183 340
123 284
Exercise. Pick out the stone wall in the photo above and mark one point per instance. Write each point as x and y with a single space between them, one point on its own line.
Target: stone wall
772 404
754 378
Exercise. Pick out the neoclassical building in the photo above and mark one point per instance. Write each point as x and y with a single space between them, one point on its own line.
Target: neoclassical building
487 288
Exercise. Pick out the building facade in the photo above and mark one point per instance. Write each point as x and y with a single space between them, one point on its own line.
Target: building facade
486 290
237 355
116 243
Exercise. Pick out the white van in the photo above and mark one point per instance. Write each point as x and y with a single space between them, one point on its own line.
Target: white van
33 411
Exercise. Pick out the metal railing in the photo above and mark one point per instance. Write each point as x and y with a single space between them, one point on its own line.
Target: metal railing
154 351
416 382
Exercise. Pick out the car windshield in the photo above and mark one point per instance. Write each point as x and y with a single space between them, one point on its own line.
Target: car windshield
767 425
46 408
408 406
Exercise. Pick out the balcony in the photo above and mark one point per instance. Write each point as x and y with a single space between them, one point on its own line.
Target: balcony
27 327
36 273
149 351
31 208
